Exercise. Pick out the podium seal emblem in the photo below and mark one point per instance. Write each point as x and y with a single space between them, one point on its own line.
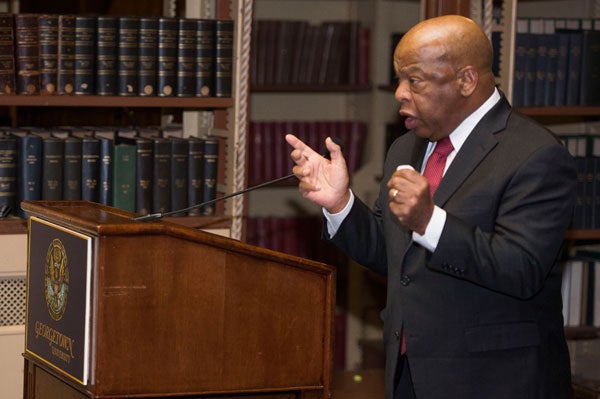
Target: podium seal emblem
56 279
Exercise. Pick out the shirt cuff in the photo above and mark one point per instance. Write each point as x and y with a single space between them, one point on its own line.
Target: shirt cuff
433 232
334 220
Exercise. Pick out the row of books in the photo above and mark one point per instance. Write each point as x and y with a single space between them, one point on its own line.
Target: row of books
293 235
585 148
137 174
581 291
289 52
107 55
269 156
556 63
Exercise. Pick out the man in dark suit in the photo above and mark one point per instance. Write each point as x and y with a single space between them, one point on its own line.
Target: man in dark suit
474 284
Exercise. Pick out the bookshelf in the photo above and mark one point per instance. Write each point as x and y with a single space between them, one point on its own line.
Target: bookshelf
228 119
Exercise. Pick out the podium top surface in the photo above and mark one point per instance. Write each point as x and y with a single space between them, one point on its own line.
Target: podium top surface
100 220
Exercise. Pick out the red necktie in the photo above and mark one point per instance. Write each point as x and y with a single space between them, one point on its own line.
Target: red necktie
436 163
433 172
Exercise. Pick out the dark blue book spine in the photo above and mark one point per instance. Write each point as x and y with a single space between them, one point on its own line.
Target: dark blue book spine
167 56
72 169
66 54
127 56
48 36
574 68
90 169
52 169
148 56
590 68
211 157
8 173
205 52
186 58
85 43
106 163
196 173
223 57
29 170
106 56
518 97
161 183
562 63
541 68
179 174
530 69
27 51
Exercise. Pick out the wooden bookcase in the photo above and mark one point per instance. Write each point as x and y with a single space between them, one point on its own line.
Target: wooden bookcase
229 116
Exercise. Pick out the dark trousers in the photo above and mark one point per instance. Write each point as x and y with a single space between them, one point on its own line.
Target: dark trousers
403 384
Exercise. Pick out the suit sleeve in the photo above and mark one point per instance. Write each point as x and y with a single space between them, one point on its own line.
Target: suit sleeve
528 229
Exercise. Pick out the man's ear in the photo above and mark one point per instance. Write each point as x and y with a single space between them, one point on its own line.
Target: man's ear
468 77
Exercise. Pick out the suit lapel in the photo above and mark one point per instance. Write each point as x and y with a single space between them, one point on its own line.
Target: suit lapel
479 143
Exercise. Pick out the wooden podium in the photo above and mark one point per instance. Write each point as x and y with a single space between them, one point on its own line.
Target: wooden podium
118 308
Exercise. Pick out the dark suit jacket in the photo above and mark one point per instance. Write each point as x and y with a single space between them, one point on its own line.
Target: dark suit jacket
482 313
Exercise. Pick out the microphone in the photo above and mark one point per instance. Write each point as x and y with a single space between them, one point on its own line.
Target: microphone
159 215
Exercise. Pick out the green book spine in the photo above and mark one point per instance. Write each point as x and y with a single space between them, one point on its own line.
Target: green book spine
143 184
211 158
179 174
124 165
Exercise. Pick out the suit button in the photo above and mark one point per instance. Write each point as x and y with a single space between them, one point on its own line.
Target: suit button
405 280
397 334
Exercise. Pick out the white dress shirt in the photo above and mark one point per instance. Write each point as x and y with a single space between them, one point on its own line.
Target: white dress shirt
432 234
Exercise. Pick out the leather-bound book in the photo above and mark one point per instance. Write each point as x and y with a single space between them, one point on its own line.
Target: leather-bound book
48 37
223 57
205 53
161 182
106 56
186 58
127 56
66 54
90 169
106 166
72 169
29 168
148 56
8 172
27 51
85 43
123 180
179 173
211 167
52 169
143 178
195 173
167 56
7 54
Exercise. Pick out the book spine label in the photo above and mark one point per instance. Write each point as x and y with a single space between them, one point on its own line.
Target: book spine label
52 169
27 49
66 54
85 41
90 169
223 57
167 57
148 56
106 56
143 184
186 58
72 169
7 57
48 37
205 51
127 65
